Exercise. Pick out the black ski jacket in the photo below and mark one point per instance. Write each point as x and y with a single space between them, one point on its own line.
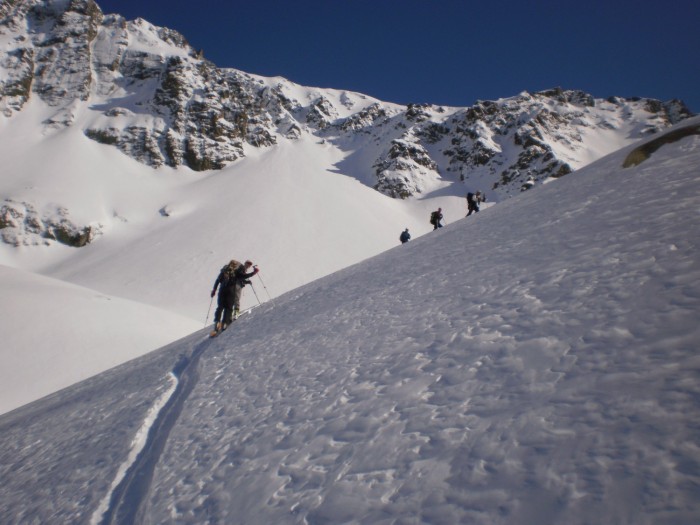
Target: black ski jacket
241 278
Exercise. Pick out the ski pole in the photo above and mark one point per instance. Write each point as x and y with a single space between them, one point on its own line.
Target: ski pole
266 290
209 311
256 294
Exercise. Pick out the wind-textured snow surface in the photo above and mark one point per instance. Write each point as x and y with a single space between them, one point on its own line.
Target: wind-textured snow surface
535 363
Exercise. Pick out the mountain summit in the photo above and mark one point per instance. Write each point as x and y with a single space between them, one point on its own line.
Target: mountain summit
144 90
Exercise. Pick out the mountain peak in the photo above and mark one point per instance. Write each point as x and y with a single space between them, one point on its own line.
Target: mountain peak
144 91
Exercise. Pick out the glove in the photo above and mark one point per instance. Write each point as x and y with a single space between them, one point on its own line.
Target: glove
255 270
213 293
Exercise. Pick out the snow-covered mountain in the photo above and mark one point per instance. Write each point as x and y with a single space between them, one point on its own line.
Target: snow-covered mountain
536 363
145 91
134 168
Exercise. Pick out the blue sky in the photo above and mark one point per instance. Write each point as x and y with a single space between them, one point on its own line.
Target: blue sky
447 52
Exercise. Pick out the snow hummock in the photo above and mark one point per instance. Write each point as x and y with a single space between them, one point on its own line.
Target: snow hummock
535 363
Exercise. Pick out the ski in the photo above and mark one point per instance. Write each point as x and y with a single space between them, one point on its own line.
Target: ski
216 332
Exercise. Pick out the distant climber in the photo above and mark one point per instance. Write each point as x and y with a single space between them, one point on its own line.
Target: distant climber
405 236
473 201
436 219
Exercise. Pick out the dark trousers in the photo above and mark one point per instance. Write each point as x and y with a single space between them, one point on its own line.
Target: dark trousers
224 306
229 299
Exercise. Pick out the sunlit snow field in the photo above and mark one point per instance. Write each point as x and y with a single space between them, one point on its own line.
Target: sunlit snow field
536 363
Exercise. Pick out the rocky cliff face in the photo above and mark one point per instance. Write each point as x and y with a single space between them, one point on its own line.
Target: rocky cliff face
159 101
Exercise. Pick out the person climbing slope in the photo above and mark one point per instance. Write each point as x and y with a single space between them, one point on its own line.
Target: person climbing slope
473 201
436 219
230 282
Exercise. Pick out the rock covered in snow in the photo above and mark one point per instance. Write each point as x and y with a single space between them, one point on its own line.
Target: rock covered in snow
21 224
157 100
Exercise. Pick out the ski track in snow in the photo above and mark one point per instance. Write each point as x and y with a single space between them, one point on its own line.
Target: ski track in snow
122 504
137 446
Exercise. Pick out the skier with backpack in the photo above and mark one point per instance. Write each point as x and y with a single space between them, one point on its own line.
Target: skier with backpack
473 201
405 236
436 219
230 282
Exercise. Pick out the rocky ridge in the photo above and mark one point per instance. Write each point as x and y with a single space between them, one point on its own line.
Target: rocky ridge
159 101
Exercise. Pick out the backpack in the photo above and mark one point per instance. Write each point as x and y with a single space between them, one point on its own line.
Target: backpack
434 218
228 272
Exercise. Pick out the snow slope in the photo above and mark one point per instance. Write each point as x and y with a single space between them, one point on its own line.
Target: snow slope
97 110
56 334
166 233
536 363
